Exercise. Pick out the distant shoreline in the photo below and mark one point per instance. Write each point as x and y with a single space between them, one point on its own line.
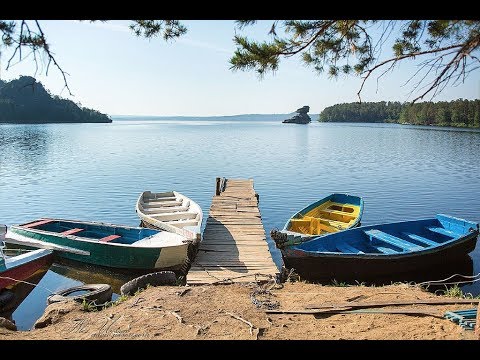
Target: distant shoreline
217 117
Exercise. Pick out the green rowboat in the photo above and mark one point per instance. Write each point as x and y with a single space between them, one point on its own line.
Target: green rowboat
109 245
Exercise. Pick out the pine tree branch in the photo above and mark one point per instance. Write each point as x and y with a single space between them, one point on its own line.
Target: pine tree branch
51 58
320 32
405 56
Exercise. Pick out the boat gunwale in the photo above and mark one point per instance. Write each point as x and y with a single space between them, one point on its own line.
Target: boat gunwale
185 241
319 254
12 262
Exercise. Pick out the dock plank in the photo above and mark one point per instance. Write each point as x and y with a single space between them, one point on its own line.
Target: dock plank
234 245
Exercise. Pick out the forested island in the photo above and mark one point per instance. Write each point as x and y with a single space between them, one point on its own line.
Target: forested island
26 101
457 113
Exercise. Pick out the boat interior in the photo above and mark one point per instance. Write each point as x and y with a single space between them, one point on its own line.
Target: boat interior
168 208
103 233
391 239
327 217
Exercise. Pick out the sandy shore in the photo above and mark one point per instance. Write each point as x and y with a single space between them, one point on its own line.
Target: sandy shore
229 312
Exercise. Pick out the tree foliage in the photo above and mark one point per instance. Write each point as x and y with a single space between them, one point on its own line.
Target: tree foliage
362 112
168 29
26 101
22 36
447 50
459 113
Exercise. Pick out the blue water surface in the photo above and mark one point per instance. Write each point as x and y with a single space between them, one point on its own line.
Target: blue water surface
96 172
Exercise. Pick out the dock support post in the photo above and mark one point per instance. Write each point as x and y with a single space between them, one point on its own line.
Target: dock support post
217 187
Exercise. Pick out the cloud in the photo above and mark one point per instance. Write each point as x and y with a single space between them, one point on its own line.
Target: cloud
118 27
109 25
203 45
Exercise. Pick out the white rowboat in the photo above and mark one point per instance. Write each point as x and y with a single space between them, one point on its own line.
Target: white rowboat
170 211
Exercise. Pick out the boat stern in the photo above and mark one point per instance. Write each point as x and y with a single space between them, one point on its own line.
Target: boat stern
458 225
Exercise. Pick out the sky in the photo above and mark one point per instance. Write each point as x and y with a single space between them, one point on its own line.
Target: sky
115 72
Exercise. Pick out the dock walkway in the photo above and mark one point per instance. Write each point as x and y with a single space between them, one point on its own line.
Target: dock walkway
234 245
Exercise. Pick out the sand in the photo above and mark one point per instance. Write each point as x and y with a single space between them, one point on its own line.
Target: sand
228 312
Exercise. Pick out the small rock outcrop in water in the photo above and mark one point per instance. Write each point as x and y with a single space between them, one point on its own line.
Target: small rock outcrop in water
301 116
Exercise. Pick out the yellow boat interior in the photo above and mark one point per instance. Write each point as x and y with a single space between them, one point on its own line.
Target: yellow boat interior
326 218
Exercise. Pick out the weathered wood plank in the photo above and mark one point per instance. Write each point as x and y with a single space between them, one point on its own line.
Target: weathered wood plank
223 272
236 221
233 215
226 231
230 248
359 305
218 226
234 241
225 256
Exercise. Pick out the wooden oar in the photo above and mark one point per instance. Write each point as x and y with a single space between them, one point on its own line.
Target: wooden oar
417 312
441 301
46 245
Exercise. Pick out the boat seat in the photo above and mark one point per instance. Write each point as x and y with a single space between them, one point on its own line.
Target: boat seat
386 250
341 207
393 240
442 231
349 216
38 223
300 225
109 238
71 231
165 210
179 215
347 248
420 239
182 223
161 204
160 199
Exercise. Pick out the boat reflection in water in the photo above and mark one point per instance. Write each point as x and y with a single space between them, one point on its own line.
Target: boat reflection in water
93 274
24 303
30 298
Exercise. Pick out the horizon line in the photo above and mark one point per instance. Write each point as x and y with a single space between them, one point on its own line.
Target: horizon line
200 116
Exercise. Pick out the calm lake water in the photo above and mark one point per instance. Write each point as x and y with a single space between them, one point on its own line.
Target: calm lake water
96 172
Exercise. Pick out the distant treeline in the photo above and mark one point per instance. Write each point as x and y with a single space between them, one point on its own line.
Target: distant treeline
459 113
25 101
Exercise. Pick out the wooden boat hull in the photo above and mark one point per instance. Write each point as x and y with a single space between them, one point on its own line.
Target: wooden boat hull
331 214
21 267
110 254
318 260
348 268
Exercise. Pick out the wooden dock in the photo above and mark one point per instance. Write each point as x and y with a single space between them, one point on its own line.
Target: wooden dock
234 246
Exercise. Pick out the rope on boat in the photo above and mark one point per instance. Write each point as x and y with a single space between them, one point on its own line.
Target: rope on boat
473 278
279 237
28 283
445 282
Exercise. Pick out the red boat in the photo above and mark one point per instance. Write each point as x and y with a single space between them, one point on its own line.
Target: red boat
20 267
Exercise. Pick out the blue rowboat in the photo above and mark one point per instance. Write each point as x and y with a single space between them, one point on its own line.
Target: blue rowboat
328 215
109 245
370 252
